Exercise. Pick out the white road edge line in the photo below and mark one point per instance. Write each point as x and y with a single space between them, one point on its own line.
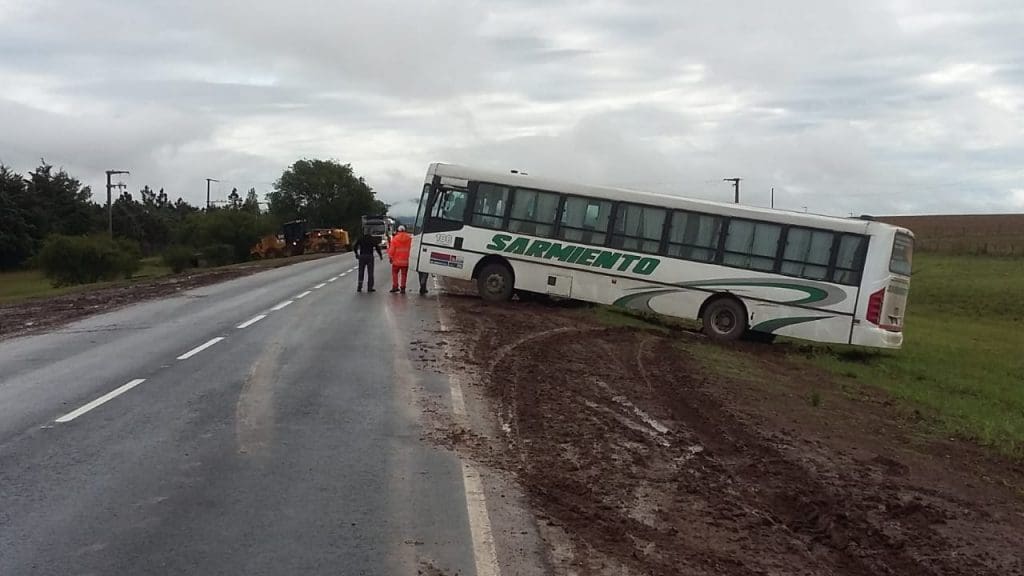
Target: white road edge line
100 401
304 294
281 305
485 555
200 348
251 321
320 285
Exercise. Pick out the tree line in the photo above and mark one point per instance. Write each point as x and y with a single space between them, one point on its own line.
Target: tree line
49 202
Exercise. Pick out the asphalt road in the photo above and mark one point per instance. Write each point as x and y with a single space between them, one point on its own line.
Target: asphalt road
292 445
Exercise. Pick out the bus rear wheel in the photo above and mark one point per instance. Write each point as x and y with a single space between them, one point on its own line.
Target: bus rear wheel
724 320
495 283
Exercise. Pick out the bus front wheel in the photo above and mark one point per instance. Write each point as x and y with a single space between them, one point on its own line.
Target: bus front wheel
495 283
724 319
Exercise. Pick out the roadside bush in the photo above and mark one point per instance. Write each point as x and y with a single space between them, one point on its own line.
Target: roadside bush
129 257
218 255
178 258
68 260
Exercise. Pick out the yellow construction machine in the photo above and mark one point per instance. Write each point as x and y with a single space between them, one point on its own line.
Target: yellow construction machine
327 240
270 246
294 240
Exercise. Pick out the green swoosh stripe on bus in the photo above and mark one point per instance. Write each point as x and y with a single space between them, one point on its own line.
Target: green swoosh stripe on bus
770 326
814 293
642 300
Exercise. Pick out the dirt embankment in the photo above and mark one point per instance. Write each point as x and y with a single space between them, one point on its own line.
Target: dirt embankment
657 454
46 313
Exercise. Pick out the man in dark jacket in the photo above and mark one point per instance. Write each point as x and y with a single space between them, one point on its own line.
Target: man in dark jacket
363 249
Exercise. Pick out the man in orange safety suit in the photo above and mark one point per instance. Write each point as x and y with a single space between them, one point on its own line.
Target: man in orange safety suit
398 252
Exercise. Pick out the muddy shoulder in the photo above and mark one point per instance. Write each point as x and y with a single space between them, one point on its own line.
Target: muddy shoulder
643 451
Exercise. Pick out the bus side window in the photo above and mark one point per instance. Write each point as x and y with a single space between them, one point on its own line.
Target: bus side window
447 210
533 212
850 259
751 244
489 207
807 253
638 228
585 220
694 236
452 206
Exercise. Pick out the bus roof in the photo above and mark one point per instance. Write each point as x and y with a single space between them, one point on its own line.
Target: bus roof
852 225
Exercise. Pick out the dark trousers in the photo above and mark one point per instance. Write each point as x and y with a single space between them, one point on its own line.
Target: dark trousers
366 263
423 281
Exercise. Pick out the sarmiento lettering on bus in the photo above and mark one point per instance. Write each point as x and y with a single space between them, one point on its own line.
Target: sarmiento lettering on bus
573 254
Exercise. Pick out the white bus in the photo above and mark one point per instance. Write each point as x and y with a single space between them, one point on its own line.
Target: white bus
738 269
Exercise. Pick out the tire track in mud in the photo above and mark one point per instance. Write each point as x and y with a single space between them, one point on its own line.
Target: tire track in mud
704 489
507 418
792 497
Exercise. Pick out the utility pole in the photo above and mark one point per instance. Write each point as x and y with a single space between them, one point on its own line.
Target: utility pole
736 186
208 180
110 204
773 196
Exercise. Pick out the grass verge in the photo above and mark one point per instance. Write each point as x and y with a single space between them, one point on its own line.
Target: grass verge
963 354
25 285
29 284
619 317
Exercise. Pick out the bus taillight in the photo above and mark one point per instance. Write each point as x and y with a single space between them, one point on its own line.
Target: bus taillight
874 314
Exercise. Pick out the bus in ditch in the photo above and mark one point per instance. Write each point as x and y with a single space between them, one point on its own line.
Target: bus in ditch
740 270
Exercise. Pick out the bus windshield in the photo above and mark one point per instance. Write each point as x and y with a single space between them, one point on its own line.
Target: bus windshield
421 213
902 254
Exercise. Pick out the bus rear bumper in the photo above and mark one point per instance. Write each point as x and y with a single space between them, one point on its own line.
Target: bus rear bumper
875 337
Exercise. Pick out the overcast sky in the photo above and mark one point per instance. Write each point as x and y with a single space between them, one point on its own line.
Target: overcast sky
864 107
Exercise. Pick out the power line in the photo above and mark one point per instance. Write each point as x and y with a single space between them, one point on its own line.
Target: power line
244 182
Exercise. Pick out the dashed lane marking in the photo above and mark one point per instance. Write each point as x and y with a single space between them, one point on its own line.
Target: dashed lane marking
100 401
303 295
200 348
333 279
320 285
281 305
251 321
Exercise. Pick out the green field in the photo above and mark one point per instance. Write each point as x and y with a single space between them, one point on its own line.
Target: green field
28 284
963 355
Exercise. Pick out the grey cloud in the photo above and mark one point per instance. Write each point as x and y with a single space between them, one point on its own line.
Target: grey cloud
842 107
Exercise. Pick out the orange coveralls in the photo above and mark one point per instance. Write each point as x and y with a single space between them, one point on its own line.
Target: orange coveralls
398 252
